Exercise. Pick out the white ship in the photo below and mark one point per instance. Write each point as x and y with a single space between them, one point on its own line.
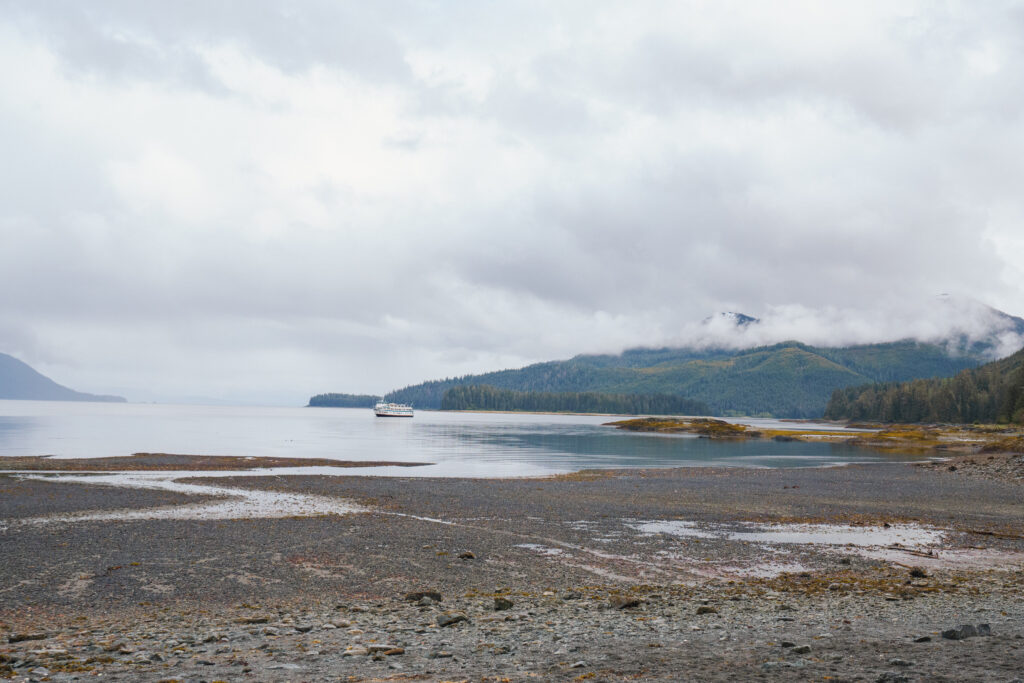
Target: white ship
383 409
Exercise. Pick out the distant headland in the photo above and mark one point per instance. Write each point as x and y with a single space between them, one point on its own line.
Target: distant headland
19 382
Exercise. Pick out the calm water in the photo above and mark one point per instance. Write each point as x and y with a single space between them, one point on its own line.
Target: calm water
461 444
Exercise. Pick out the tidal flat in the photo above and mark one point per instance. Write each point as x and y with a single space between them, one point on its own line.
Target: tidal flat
846 573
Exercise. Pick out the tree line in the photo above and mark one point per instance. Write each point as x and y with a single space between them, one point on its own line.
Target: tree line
991 393
343 401
485 397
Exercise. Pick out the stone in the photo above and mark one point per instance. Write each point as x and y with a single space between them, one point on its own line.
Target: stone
892 677
303 628
578 665
801 649
787 643
923 639
706 609
900 662
502 604
355 651
468 555
20 637
416 596
960 632
252 620
984 630
572 595
451 619
440 654
624 602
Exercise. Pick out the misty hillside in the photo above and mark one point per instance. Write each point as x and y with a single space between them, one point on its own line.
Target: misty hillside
18 381
783 380
991 393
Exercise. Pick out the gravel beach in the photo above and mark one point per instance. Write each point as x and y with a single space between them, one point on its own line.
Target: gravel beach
872 573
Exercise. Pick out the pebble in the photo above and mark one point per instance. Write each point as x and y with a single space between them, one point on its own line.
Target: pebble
252 620
967 631
502 604
624 602
451 619
416 596
542 637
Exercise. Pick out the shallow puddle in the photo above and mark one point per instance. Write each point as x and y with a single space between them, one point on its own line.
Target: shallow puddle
234 503
906 535
902 544
542 549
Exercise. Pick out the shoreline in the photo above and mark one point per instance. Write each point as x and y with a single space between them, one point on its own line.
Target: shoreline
631 573
155 462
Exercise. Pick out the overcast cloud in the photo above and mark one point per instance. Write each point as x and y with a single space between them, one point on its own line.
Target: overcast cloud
262 200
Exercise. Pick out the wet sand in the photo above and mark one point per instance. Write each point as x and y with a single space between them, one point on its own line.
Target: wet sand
657 575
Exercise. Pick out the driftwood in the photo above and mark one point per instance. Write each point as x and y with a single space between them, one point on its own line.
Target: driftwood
997 534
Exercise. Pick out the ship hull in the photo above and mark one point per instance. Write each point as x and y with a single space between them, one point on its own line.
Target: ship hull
392 410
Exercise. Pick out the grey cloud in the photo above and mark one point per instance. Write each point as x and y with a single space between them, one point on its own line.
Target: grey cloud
590 186
127 39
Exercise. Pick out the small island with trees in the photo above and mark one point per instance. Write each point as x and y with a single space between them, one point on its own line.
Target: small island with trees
342 401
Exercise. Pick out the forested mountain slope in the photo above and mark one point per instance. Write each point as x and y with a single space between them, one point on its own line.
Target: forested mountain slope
783 380
490 398
991 393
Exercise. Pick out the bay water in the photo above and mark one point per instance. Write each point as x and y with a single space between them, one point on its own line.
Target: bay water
456 444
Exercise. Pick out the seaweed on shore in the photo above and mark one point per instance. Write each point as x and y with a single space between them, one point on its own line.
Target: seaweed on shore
163 462
701 426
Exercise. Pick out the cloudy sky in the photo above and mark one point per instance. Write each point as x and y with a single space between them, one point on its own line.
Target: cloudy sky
261 200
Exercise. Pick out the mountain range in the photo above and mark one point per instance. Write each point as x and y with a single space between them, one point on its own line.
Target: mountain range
788 379
18 381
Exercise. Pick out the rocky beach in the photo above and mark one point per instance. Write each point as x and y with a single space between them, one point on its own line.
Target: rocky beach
868 572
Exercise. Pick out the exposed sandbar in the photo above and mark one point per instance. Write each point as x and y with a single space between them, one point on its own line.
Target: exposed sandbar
166 462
